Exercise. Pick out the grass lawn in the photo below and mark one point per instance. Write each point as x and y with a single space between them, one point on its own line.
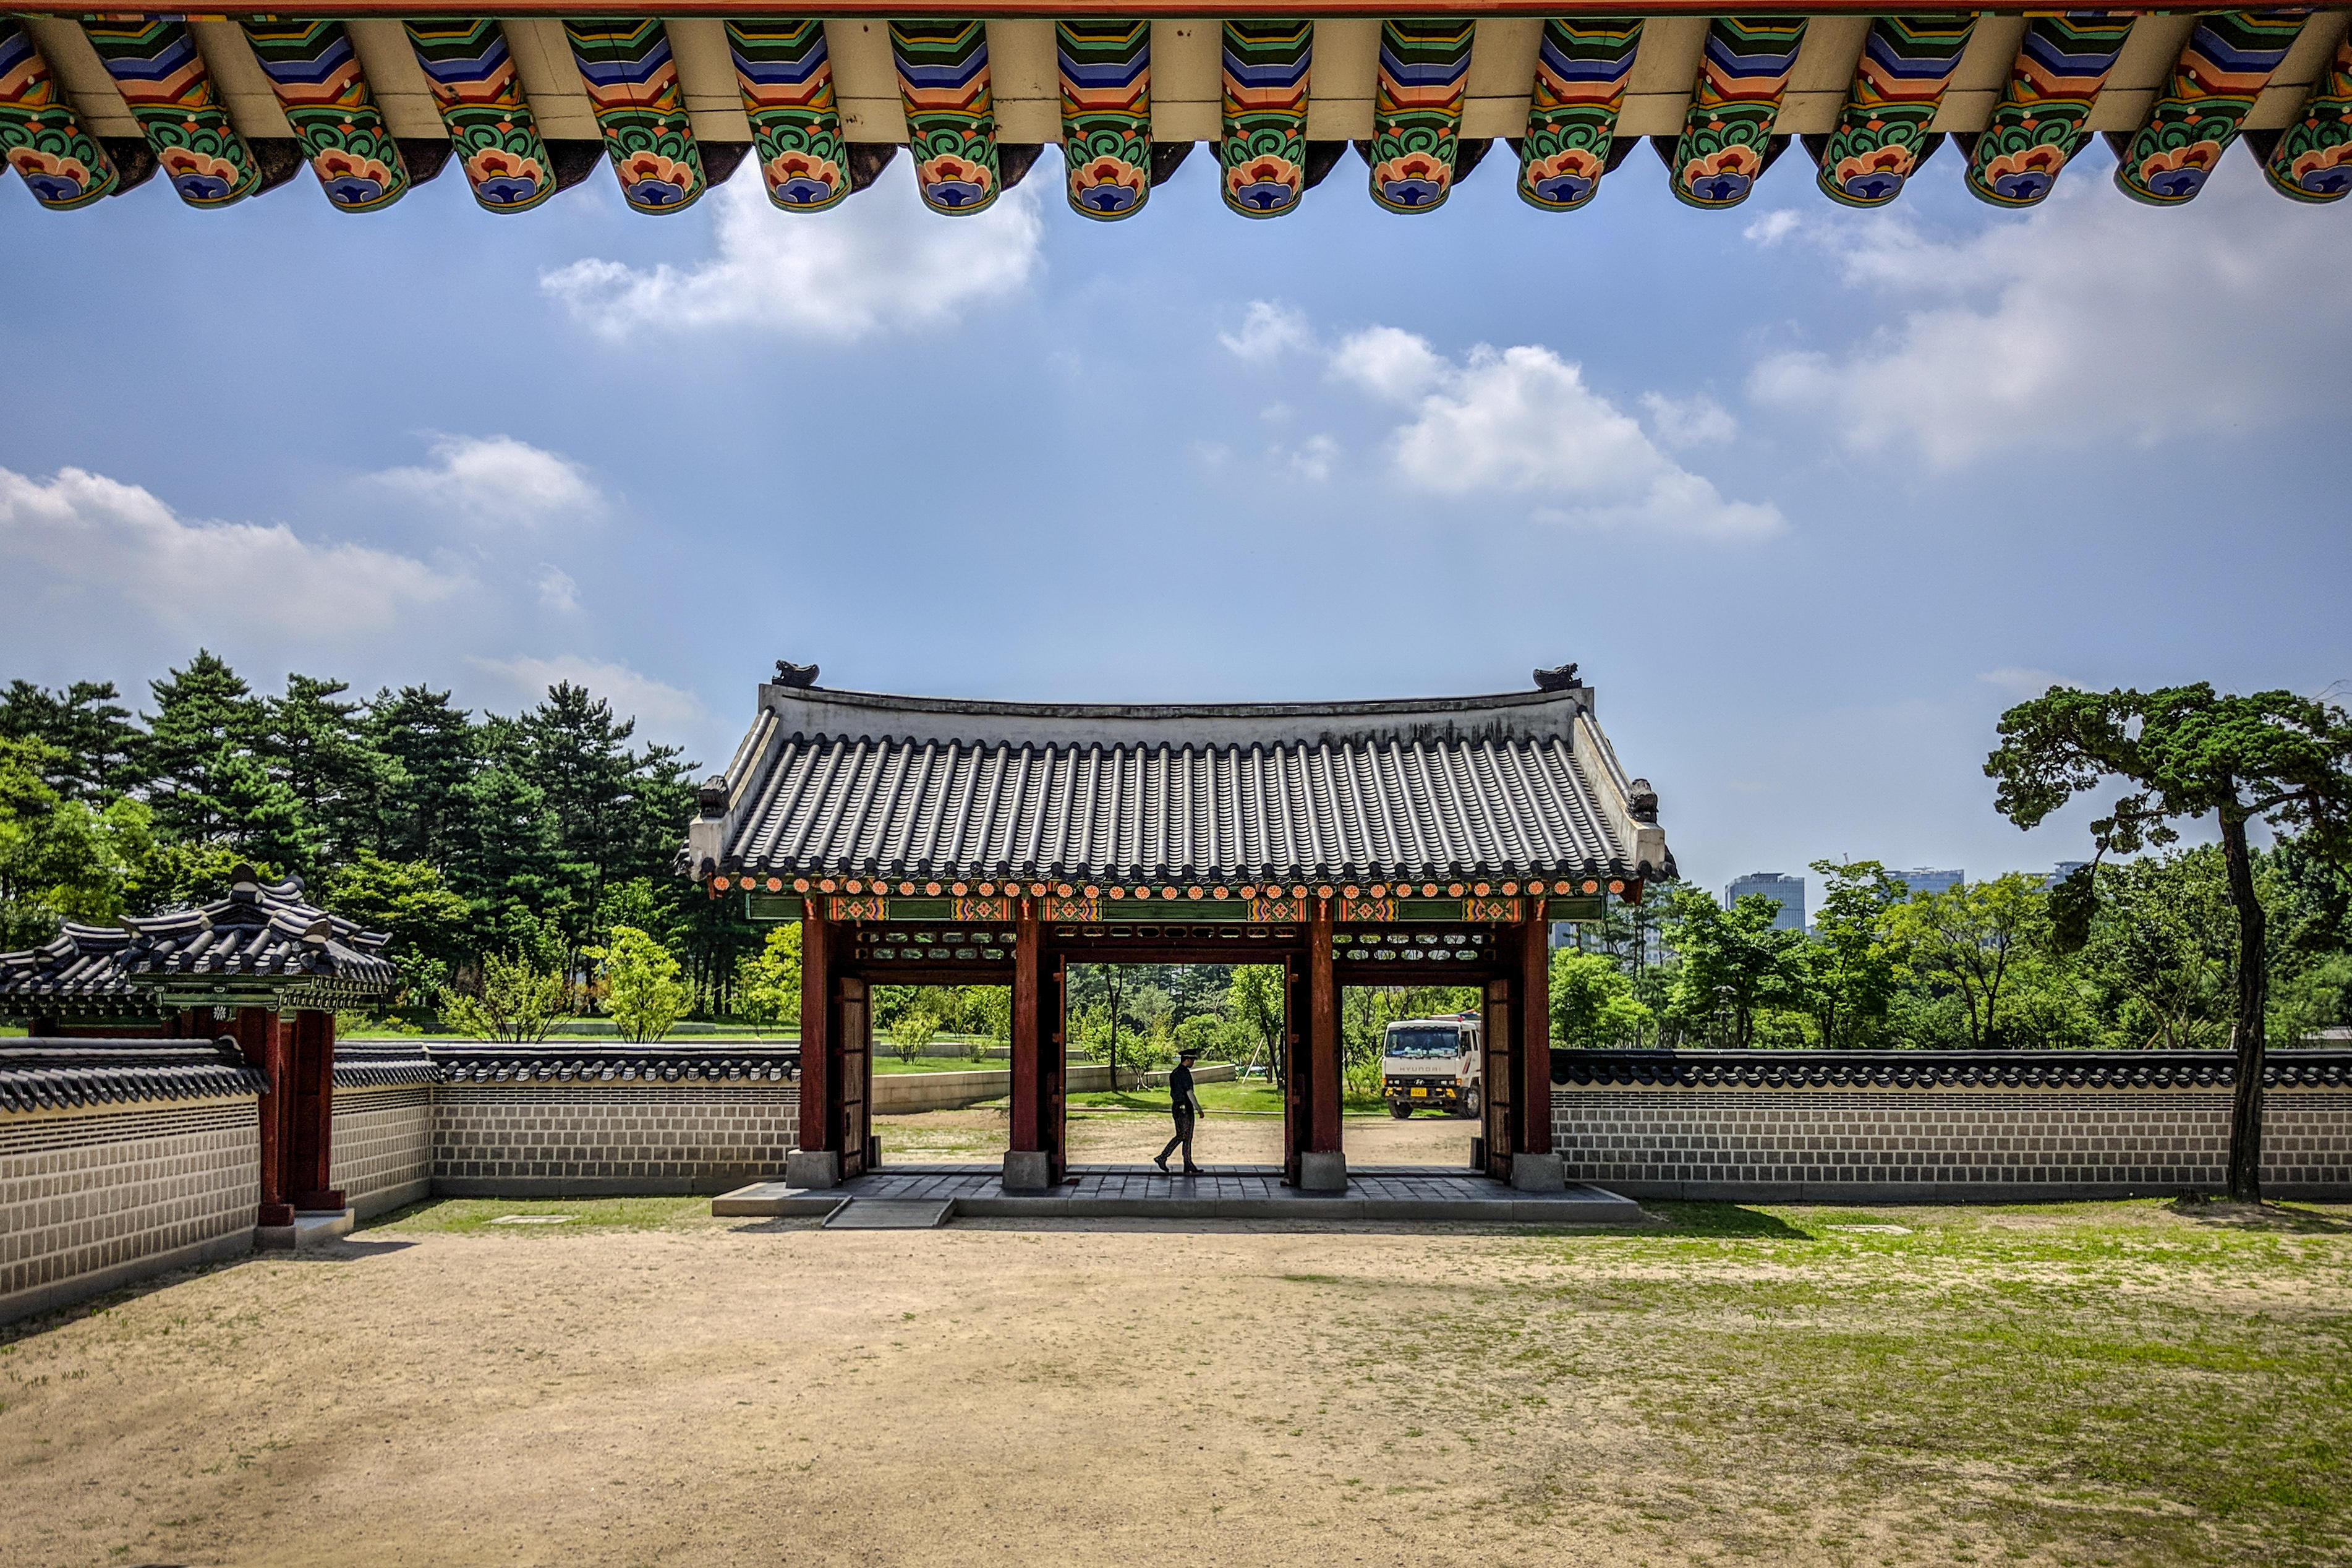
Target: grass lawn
1254 1096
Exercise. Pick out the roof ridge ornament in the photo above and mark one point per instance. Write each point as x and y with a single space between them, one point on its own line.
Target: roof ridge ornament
791 674
1559 678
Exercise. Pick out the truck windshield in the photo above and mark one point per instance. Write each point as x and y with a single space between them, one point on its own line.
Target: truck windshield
1423 1043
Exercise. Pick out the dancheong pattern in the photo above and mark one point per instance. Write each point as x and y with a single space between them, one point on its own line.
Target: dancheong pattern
786 79
950 114
1106 70
164 81
2038 126
1417 112
1581 69
61 163
491 132
1265 148
2312 161
2224 69
1882 136
316 75
1727 131
633 86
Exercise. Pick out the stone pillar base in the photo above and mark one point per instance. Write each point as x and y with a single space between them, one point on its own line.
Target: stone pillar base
814 1168
1027 1171
305 1230
1323 1173
1538 1173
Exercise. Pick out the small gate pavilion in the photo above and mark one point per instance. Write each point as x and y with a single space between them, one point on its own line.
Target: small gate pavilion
931 841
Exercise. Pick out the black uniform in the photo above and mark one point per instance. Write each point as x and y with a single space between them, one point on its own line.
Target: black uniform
1182 1104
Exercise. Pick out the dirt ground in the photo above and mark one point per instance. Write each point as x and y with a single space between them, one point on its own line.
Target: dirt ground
1911 1386
1222 1138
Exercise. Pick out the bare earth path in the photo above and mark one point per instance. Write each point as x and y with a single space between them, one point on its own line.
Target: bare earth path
2110 1383
1120 1137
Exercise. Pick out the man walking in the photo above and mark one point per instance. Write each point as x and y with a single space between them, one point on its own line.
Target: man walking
1185 1105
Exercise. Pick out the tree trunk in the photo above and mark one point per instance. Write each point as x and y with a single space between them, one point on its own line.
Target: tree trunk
2246 1032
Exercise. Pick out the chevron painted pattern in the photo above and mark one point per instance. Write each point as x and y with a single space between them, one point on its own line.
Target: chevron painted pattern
2312 160
1105 72
786 79
1728 130
2223 68
316 75
491 130
633 85
60 163
1417 112
1581 69
943 84
165 84
2038 126
1882 134
1263 150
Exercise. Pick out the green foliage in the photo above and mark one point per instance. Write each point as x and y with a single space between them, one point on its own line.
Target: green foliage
517 1002
410 902
918 1023
1854 964
61 857
768 983
1592 1001
642 988
1732 964
1972 940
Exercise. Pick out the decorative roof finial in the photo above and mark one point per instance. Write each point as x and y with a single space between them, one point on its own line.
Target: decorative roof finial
791 674
1559 678
244 883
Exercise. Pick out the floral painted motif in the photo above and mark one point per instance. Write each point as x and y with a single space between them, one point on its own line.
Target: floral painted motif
650 180
2312 160
785 78
316 75
1417 112
1581 69
1726 136
60 163
165 84
1263 149
943 85
2038 124
1882 134
1106 74
1721 177
2021 179
954 183
2222 68
201 179
482 106
632 83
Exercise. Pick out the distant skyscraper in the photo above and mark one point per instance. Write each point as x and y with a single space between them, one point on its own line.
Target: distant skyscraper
2067 868
1923 880
1790 891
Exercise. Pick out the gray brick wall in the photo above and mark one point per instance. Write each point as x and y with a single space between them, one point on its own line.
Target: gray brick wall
571 1140
92 1199
1754 1143
383 1147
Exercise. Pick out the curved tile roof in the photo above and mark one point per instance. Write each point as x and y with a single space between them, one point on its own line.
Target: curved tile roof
2293 1069
851 784
59 1074
259 941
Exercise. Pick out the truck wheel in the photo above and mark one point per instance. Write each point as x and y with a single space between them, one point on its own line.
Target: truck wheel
1400 1109
1470 1102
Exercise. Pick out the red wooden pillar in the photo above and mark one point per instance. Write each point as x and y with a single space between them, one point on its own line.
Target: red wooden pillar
1028 1030
260 1037
1322 1033
817 1088
310 1059
1535 1033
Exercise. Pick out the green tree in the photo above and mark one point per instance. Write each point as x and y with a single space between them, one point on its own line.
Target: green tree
768 983
642 990
60 859
427 750
2159 950
98 745
1254 1001
2182 753
1974 938
1731 964
408 901
518 1002
1851 966
1592 1001
313 745
204 714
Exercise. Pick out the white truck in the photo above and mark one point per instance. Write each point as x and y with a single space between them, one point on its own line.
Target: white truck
1435 1064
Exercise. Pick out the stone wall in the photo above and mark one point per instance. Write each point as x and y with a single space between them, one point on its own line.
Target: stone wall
1930 1126
383 1154
95 1196
567 1140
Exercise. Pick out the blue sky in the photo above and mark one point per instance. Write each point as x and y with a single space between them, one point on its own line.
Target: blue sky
1810 494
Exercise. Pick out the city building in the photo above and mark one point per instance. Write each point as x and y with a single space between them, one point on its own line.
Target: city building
1788 891
1923 880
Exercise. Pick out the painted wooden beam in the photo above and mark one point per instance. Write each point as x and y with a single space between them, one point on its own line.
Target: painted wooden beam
950 118
1106 80
2061 64
492 131
785 75
1425 68
1581 69
1881 135
632 82
316 75
2223 68
2311 161
1726 139
165 85
1264 146
60 162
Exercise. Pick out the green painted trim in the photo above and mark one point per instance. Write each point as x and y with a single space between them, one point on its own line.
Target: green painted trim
773 906
924 909
1583 909
1432 908
1167 912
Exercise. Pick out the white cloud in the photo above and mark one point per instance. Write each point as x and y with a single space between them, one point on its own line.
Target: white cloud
497 478
1388 362
557 590
1772 227
880 260
1521 420
1695 421
1267 330
659 708
84 538
1313 457
2089 320
2021 683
